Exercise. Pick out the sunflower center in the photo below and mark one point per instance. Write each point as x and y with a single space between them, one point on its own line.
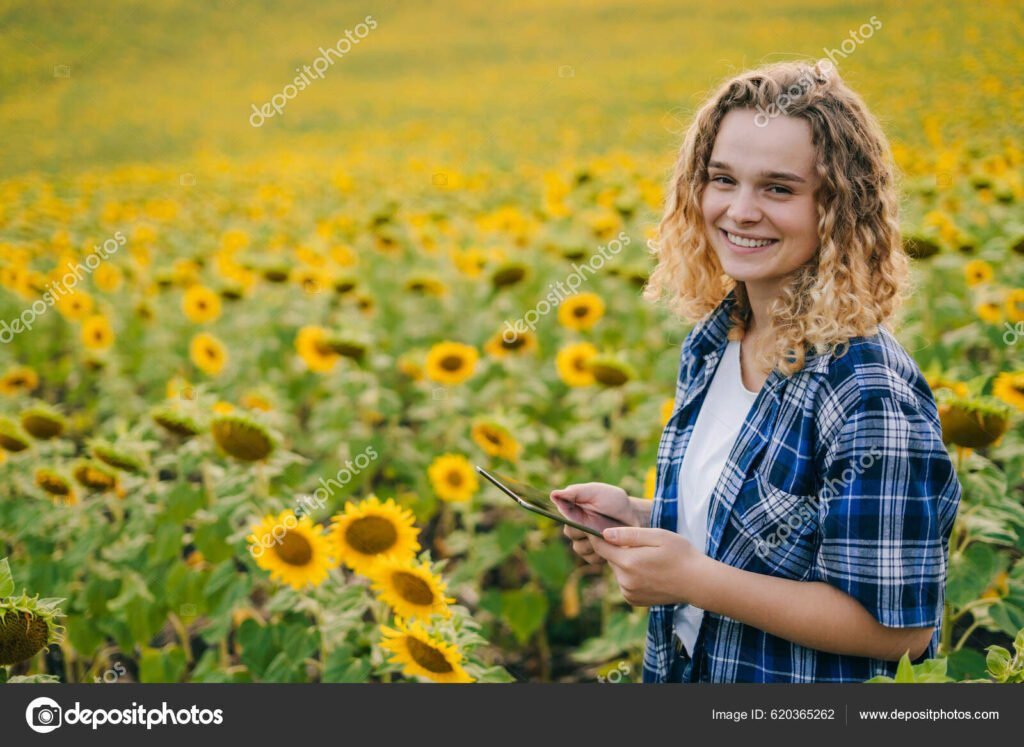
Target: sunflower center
451 363
492 437
580 311
579 364
412 588
455 479
427 656
295 549
514 344
371 535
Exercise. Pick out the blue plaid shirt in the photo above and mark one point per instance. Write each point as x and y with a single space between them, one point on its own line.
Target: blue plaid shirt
839 474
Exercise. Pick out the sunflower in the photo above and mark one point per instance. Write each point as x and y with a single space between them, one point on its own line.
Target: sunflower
253 400
13 437
312 345
977 271
312 280
208 353
470 262
344 283
75 306
411 589
503 344
989 311
18 380
1009 387
453 478
93 475
973 423
200 304
369 530
411 365
28 625
581 311
173 420
426 285
610 371
348 344
97 334
668 406
1000 587
1015 305
650 482
920 247
56 485
43 422
108 278
937 382
509 273
573 364
242 437
179 386
294 550
118 458
451 362
495 439
421 654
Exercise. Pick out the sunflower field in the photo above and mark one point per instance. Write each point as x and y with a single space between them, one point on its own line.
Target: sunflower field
246 371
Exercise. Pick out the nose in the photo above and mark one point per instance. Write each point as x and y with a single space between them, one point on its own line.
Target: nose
744 208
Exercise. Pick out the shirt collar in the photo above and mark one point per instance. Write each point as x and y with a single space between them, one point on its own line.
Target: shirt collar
712 335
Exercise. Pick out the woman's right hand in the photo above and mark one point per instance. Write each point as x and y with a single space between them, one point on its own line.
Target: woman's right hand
597 498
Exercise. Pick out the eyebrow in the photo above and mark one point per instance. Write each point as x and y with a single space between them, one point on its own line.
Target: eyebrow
780 176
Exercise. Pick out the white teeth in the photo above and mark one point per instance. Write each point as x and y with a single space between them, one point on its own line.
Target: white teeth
749 243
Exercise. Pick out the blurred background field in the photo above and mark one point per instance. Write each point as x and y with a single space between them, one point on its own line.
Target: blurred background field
334 284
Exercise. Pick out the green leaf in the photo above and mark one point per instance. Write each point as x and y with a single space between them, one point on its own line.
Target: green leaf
6 579
257 642
551 564
524 610
967 664
971 572
343 666
905 671
161 665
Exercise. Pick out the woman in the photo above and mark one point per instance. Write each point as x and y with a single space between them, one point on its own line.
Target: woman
804 498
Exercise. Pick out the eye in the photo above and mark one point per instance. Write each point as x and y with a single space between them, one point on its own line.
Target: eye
785 190
720 176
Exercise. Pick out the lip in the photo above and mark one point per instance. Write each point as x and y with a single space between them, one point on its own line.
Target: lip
745 249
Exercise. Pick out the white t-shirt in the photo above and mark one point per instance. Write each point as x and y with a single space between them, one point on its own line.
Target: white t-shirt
721 416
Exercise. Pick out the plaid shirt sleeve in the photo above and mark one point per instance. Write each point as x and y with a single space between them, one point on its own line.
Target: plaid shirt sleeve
887 504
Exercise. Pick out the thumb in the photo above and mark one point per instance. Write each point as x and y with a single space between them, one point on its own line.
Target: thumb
632 536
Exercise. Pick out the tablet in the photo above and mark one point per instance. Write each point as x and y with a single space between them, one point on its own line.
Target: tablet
540 502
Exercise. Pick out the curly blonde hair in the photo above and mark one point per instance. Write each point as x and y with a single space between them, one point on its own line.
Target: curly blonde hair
858 275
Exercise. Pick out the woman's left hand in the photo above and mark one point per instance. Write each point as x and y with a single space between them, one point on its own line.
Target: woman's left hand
652 566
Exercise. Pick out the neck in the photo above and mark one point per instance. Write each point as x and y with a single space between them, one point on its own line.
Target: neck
760 297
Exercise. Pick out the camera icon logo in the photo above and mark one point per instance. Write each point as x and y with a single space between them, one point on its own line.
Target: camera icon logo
43 715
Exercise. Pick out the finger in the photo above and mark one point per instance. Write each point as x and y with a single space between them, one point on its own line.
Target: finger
633 536
582 547
607 550
573 533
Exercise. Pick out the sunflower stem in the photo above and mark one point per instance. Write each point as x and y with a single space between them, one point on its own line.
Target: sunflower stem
967 634
544 649
183 636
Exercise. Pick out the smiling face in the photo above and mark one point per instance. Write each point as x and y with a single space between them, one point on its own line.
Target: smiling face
759 206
